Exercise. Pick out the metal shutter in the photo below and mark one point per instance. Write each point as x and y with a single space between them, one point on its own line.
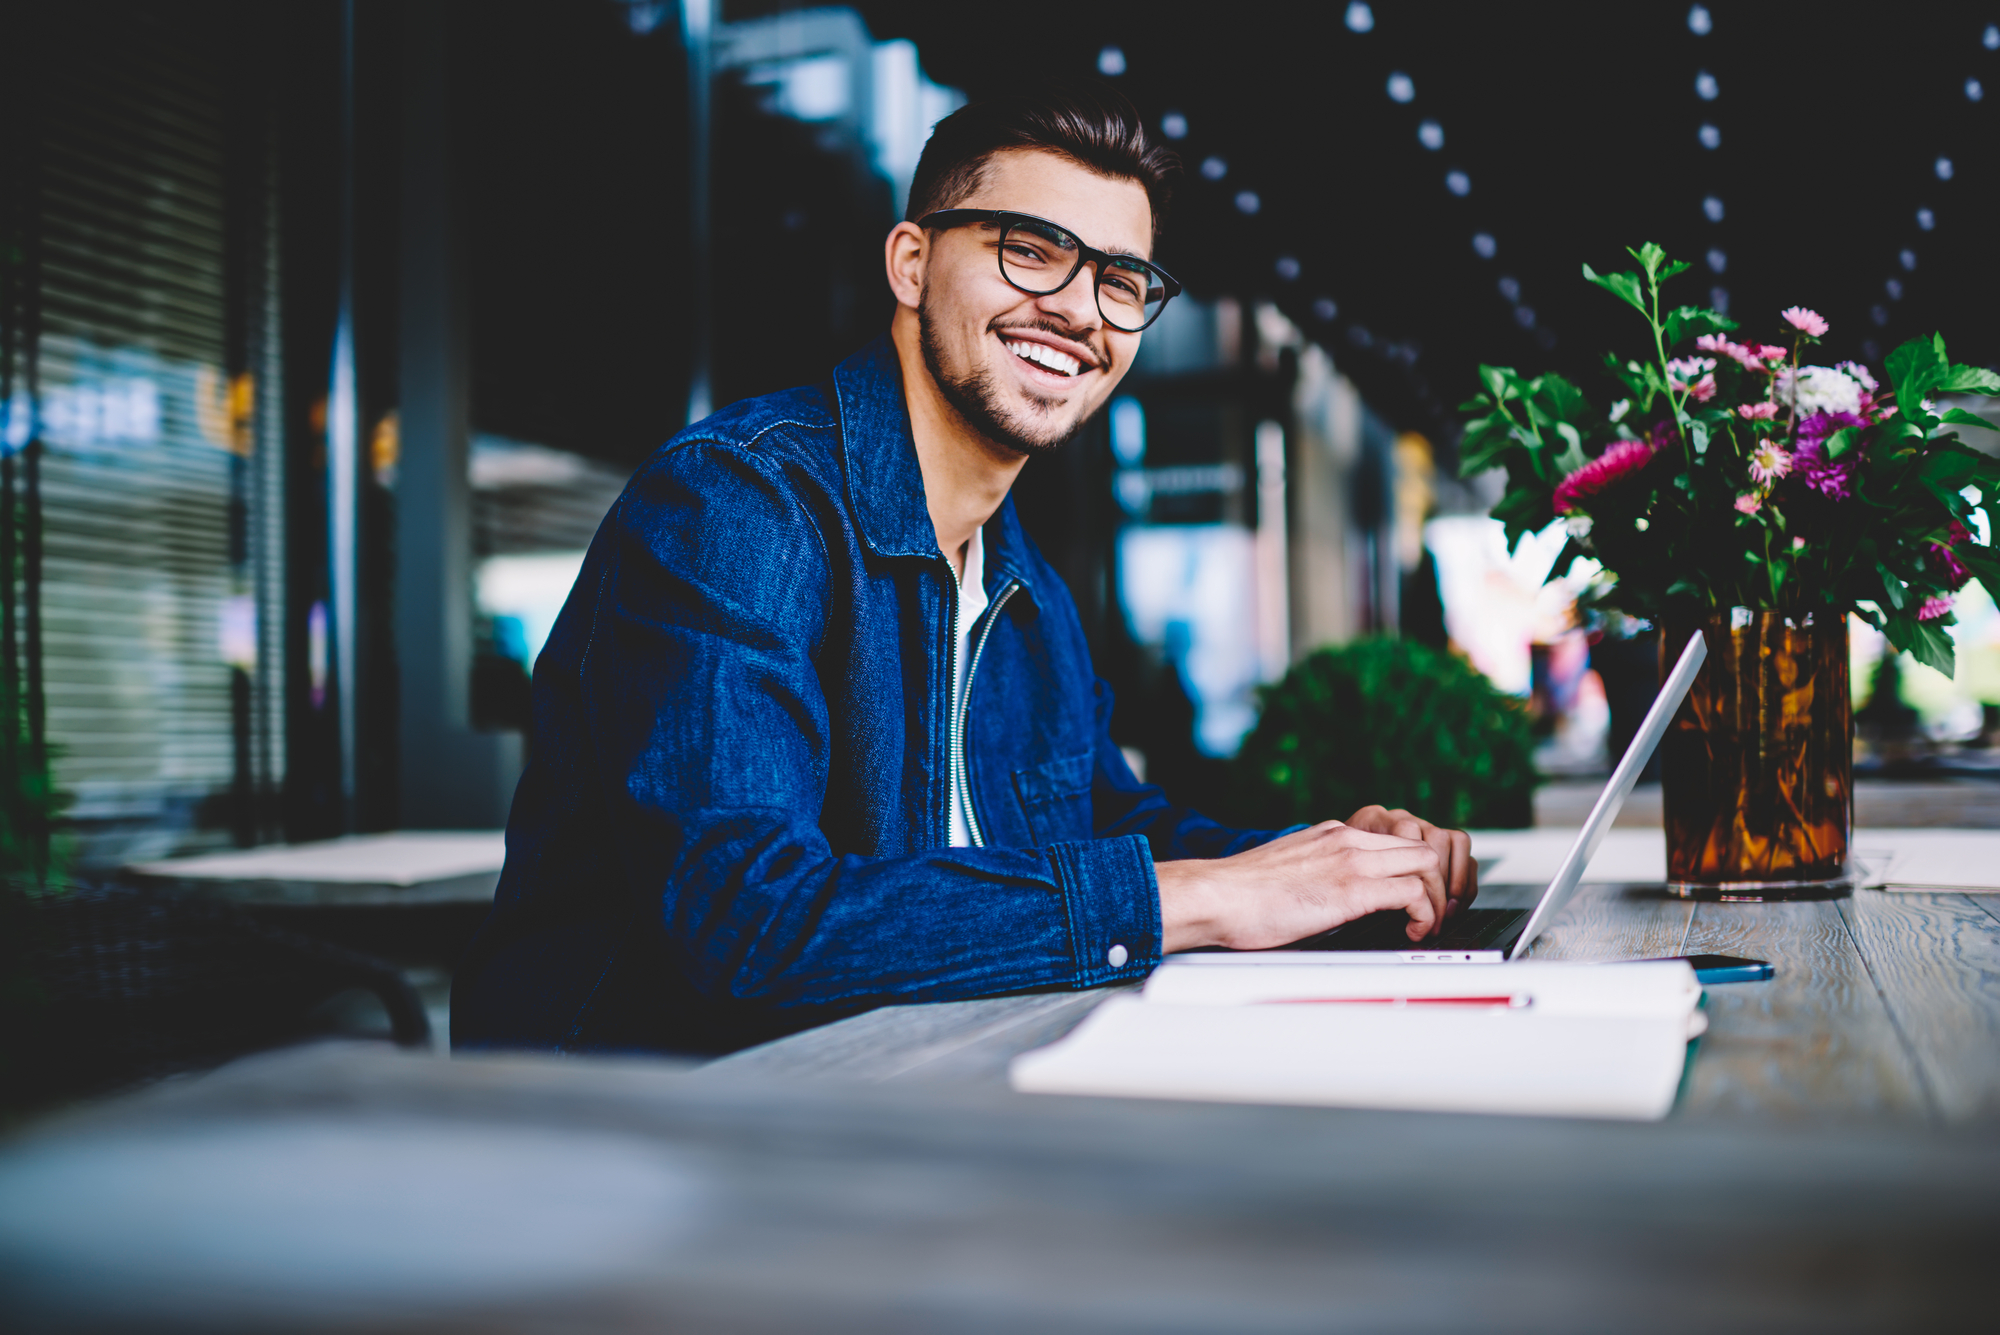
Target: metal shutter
144 604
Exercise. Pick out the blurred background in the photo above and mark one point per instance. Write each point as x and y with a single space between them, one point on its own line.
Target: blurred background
331 330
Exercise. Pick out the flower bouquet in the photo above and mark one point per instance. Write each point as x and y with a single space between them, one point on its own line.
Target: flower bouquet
1733 489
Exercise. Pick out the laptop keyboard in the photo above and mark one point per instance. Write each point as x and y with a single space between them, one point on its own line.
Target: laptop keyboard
1471 929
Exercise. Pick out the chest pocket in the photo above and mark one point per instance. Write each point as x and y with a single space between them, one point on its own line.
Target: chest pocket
1055 798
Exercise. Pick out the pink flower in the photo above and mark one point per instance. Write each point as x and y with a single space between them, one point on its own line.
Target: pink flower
1859 372
1682 372
1810 323
1757 412
1933 608
1768 462
1745 357
1749 356
1749 503
1623 458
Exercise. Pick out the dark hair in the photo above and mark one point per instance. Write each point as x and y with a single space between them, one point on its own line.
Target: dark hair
1093 126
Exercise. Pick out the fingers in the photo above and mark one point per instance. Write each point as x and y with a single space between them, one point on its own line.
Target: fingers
1462 880
1407 866
1460 871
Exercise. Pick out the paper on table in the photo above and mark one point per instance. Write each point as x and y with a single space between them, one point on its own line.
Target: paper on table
1489 1061
1532 857
1961 861
1664 989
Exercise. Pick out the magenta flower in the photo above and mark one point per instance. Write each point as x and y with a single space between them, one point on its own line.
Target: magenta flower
1933 608
1622 459
1833 479
1757 412
1810 323
1749 503
1947 559
1816 427
1765 352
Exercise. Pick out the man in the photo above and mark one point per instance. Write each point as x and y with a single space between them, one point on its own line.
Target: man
817 728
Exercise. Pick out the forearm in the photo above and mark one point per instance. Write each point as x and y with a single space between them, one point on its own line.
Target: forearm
761 916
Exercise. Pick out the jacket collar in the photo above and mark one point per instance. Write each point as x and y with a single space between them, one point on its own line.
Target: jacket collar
885 483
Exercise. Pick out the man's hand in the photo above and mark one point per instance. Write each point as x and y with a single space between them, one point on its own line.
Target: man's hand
1454 849
1316 879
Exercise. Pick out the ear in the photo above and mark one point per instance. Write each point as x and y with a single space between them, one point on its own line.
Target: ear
905 255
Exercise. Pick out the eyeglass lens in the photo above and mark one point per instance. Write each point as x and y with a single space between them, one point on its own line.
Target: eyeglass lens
1040 258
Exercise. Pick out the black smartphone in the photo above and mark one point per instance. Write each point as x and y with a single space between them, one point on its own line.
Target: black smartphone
1727 969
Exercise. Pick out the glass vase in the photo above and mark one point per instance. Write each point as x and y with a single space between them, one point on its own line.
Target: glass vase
1757 768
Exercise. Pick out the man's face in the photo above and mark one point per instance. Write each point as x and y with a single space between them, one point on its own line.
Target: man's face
981 334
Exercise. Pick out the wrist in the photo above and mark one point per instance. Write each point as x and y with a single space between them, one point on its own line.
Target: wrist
1188 911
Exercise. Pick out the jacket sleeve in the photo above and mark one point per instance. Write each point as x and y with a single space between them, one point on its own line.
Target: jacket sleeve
707 725
1122 805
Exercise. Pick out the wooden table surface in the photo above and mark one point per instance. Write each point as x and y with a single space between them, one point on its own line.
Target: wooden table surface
1885 1006
1834 1166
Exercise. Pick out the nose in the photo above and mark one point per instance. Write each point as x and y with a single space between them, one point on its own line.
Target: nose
1076 304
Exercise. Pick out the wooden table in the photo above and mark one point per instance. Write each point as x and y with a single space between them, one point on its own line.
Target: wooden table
1835 1166
1885 1006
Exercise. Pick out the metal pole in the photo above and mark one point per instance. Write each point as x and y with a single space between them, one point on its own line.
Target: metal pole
697 23
343 443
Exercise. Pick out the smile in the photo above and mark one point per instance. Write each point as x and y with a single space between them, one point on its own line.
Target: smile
1042 355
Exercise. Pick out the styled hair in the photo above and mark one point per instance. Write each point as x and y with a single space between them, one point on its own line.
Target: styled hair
1093 126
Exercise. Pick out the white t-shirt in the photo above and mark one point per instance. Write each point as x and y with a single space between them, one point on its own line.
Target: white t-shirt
971 606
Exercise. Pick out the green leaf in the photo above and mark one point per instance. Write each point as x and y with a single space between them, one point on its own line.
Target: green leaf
1698 436
1523 510
1969 380
1960 417
1892 588
1930 644
1691 321
1565 400
1677 267
1841 441
1625 286
1915 369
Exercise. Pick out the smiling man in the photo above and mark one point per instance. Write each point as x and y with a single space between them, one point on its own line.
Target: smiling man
817 728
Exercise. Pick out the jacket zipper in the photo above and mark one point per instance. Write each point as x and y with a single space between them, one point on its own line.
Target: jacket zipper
962 707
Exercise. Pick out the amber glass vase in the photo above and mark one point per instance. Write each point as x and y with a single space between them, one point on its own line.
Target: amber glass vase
1757 768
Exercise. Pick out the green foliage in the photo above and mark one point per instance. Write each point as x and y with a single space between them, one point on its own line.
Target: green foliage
1391 722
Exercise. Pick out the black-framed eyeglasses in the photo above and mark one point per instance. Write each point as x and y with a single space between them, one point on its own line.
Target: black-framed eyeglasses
1040 257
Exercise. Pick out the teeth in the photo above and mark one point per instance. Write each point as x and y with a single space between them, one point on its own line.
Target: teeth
1043 355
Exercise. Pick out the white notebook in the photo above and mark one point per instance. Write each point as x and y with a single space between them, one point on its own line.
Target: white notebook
1544 1039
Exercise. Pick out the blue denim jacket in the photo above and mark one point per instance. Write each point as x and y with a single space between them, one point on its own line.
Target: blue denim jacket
734 824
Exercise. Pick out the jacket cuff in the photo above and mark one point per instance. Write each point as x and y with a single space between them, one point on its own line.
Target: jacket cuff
1113 900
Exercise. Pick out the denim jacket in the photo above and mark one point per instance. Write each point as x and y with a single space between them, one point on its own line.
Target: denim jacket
735 825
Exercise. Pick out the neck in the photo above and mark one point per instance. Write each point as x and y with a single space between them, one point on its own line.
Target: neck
966 475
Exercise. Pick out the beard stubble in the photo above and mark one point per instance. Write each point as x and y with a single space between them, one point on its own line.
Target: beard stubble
974 398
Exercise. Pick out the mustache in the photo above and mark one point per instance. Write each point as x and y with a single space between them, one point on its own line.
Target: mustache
1087 351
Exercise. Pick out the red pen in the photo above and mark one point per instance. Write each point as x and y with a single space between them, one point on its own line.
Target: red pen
1515 1002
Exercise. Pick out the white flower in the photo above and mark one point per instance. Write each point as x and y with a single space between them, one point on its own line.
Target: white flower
1821 389
1579 527
1619 409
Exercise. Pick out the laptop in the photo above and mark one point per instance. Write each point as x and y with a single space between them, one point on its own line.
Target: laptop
1488 936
